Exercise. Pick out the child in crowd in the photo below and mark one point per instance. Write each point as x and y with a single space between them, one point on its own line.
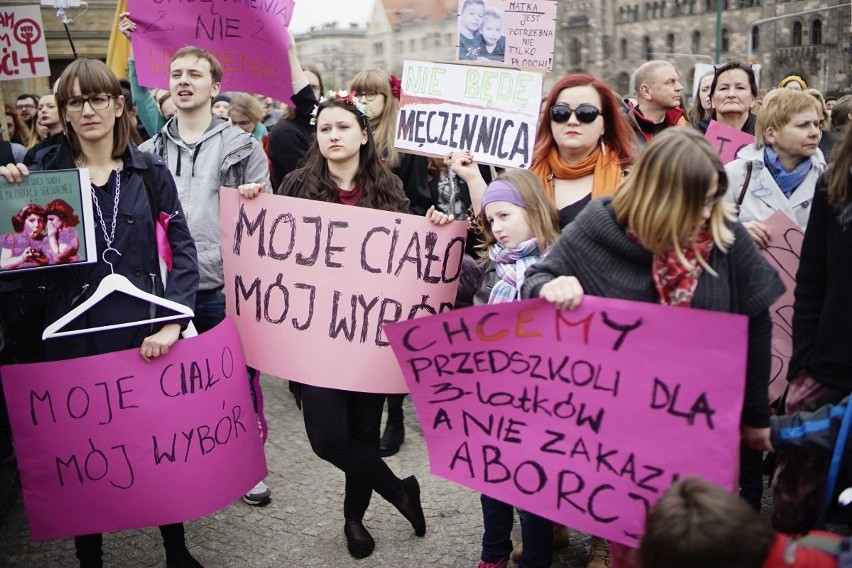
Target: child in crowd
493 40
700 525
519 224
470 38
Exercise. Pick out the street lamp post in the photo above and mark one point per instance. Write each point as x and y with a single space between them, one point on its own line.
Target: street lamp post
718 30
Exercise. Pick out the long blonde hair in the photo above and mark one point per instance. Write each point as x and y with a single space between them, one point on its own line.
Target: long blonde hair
384 128
662 199
540 211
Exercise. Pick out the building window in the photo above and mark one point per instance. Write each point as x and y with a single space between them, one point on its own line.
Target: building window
622 49
649 49
696 42
709 5
755 37
726 39
797 33
670 43
378 48
816 32
576 52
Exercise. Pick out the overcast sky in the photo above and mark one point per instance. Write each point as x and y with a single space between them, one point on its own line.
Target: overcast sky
309 13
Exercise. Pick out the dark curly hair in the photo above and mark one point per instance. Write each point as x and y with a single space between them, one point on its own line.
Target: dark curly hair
20 218
64 211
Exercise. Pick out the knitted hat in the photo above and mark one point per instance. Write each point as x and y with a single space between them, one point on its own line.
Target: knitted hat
793 79
221 98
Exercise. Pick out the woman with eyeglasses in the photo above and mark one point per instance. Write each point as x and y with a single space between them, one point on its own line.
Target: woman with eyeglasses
97 133
732 93
665 238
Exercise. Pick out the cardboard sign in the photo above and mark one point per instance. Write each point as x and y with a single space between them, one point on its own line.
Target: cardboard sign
783 253
110 442
311 285
24 53
47 221
248 38
520 34
490 111
584 417
727 141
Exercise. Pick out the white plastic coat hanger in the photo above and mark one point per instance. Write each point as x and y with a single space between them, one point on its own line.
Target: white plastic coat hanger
110 284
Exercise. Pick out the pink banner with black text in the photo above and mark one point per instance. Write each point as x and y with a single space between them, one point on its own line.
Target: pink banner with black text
311 285
248 38
110 442
584 417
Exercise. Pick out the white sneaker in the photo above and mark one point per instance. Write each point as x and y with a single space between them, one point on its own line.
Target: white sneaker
259 495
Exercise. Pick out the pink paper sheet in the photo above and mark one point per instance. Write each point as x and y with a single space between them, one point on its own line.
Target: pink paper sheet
584 417
110 442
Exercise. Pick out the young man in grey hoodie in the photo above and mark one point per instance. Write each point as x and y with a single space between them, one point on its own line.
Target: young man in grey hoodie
205 152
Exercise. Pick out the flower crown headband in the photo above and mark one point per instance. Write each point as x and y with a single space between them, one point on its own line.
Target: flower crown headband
347 97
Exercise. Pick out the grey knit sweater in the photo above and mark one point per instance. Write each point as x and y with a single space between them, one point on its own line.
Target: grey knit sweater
597 251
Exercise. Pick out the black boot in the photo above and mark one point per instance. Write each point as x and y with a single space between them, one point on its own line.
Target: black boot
174 541
394 433
89 550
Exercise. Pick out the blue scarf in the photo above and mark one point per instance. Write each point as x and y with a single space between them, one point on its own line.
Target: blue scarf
787 181
511 265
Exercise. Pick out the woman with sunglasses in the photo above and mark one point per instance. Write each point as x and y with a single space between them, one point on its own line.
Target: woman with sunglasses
583 146
96 136
732 93
665 238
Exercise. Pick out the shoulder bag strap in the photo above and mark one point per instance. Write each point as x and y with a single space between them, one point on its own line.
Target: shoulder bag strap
749 167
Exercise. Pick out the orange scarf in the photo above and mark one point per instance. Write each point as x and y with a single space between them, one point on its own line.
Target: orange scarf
604 165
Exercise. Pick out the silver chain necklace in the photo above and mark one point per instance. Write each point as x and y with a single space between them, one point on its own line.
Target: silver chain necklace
108 237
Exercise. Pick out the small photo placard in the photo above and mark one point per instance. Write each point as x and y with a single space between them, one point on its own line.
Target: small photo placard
46 220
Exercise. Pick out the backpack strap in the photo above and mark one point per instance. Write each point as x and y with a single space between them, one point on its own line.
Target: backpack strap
749 167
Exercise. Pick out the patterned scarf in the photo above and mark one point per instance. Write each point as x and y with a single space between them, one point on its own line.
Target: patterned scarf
674 281
511 264
787 181
603 164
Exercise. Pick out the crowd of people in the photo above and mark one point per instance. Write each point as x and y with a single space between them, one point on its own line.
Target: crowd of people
624 198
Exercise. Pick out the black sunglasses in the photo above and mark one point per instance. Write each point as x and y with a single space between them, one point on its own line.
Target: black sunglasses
586 113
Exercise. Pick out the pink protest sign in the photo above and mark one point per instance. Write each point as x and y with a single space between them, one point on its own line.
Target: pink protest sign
783 254
248 38
727 141
584 417
110 442
311 285
24 46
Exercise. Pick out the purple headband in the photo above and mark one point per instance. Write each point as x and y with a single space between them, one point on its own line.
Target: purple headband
502 190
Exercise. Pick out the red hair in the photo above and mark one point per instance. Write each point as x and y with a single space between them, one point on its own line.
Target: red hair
617 132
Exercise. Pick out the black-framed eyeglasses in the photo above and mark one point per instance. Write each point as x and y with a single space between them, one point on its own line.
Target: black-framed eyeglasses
97 102
586 113
368 95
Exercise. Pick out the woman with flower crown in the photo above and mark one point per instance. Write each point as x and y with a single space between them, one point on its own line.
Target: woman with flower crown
343 166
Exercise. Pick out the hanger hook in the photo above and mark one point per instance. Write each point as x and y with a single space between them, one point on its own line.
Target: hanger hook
103 256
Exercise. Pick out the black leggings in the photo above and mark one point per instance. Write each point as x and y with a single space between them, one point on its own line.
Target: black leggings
343 428
90 547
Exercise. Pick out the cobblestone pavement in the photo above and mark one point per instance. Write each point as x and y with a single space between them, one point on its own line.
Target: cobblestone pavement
302 526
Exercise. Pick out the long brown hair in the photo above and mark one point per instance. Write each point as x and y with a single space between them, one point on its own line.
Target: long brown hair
94 77
375 179
696 112
838 174
617 132
23 134
384 129
662 198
